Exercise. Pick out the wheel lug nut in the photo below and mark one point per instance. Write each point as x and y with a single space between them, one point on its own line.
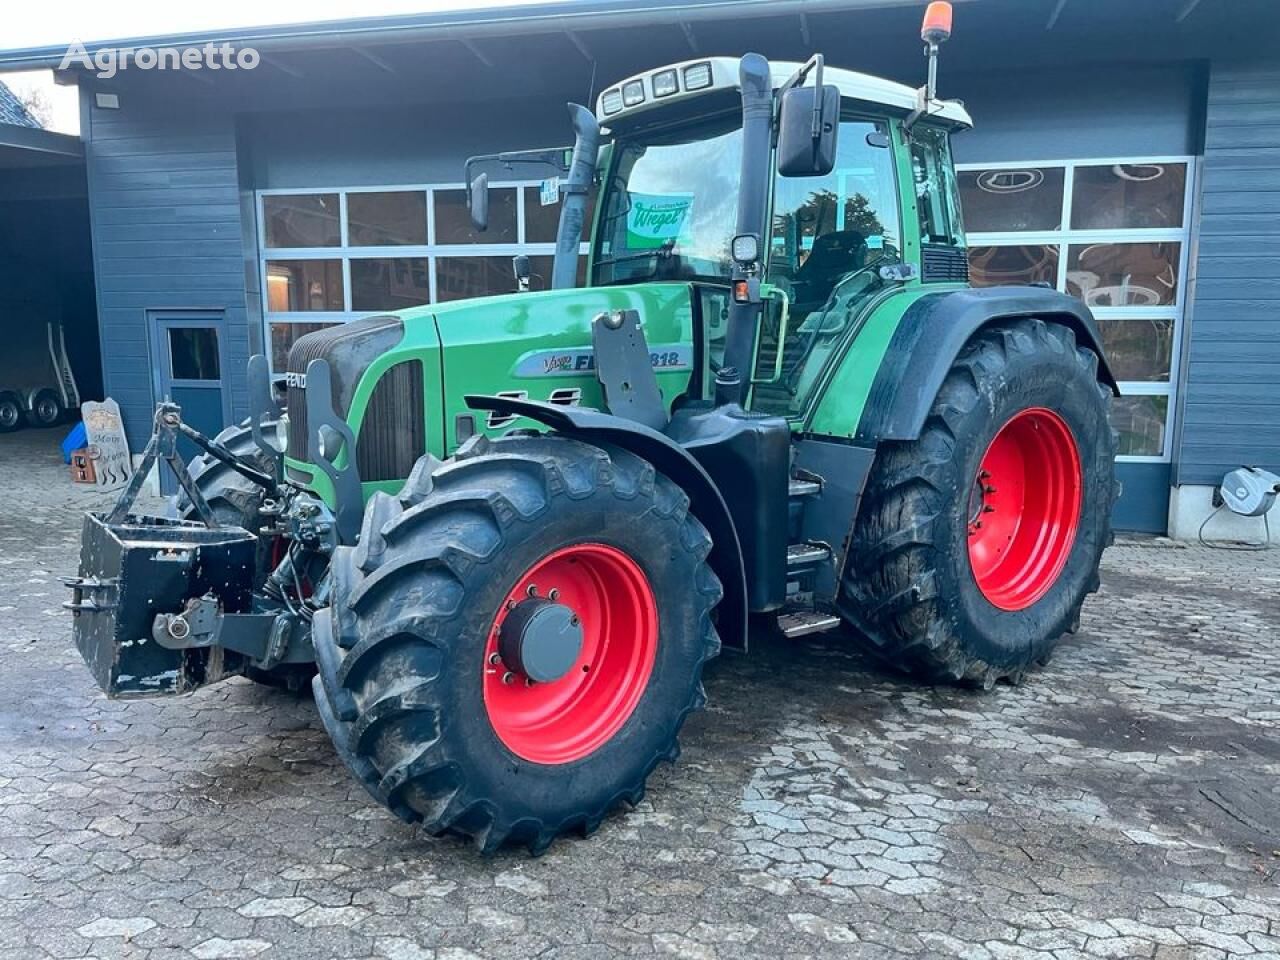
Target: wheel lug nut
988 489
988 508
528 681
508 678
494 659
553 594
532 590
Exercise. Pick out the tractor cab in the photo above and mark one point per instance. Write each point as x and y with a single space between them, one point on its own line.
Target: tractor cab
866 204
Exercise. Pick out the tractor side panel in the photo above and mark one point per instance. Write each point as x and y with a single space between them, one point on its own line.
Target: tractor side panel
885 384
844 397
538 347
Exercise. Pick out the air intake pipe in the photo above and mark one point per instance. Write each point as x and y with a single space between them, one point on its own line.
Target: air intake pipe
582 170
755 79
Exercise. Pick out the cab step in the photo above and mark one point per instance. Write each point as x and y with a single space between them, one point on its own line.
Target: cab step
802 555
803 623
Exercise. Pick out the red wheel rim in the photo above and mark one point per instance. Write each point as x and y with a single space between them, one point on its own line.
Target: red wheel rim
1024 509
570 718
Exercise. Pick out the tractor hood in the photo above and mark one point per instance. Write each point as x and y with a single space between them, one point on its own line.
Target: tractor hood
400 380
538 345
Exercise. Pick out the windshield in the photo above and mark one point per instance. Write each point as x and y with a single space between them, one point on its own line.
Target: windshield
671 205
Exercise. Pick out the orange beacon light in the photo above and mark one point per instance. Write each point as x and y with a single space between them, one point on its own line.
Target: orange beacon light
937 23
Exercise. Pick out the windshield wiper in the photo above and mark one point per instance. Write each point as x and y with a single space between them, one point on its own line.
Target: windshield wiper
659 255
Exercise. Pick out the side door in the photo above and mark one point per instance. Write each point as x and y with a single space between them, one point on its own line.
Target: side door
188 357
828 238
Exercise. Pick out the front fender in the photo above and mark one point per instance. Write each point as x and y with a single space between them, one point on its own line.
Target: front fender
675 462
931 335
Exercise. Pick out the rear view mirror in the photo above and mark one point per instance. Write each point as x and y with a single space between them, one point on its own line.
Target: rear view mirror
808 122
478 202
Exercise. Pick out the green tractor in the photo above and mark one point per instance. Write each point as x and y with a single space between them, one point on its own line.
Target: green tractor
507 534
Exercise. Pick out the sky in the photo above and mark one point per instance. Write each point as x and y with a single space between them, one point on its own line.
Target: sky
61 22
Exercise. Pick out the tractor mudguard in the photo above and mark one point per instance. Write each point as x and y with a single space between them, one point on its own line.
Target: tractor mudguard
931 335
676 463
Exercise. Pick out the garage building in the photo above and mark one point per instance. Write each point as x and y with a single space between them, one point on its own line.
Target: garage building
1126 153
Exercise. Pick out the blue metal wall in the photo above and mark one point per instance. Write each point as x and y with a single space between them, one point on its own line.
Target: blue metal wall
1231 406
167 235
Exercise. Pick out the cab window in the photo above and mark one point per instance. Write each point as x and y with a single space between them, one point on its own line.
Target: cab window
936 198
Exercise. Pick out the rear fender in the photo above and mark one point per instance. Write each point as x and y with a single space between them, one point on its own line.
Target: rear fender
666 455
930 337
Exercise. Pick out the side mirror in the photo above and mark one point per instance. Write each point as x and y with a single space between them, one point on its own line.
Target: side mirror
808 122
478 202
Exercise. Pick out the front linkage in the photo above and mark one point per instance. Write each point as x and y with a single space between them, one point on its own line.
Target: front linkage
164 606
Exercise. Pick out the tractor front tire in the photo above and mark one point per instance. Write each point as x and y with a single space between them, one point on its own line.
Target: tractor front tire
976 544
421 686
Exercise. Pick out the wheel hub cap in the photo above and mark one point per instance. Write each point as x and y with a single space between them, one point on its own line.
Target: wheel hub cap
1024 509
540 639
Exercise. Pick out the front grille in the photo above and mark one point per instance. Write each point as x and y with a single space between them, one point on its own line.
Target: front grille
393 432
350 348
940 262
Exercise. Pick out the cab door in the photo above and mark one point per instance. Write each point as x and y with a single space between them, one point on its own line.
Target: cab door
829 236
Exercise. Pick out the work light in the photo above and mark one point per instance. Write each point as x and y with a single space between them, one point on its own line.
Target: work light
697 76
612 101
665 83
633 93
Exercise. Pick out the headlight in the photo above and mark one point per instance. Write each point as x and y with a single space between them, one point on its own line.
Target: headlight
282 432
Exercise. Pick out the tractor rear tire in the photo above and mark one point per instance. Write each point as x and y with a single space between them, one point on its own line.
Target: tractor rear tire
237 501
442 727
976 544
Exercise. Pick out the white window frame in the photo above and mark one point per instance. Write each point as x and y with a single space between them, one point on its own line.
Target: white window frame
345 252
1066 236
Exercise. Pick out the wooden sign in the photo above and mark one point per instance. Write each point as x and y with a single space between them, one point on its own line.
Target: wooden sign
107 445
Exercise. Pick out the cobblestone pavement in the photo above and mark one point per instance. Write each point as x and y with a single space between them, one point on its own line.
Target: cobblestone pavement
1122 802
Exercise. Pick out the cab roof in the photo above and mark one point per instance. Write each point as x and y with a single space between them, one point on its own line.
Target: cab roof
852 85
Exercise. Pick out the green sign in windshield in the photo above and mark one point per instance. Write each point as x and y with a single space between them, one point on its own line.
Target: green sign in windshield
654 219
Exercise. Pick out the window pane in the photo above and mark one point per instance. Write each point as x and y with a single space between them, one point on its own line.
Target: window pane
1124 195
390 284
283 336
453 222
1121 274
541 270
541 223
1138 349
460 277
297 285
1026 263
935 189
302 220
193 353
1029 198
387 219
669 212
1140 423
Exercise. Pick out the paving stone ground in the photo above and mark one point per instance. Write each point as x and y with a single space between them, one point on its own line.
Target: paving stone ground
1122 802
